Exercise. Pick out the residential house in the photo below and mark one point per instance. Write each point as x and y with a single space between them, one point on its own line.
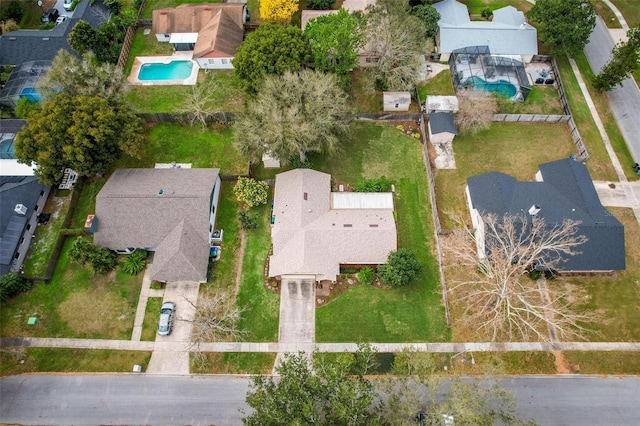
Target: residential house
22 199
396 101
507 34
315 231
169 211
213 31
563 190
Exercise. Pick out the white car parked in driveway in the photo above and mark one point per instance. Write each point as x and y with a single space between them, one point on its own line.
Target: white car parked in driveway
67 4
61 19
165 323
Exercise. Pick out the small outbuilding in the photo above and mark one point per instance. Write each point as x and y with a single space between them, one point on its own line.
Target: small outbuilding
396 101
442 127
441 104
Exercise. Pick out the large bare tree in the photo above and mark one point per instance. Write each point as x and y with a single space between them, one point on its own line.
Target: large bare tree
499 299
476 109
199 102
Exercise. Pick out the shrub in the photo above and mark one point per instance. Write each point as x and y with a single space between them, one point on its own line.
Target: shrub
12 284
373 185
247 220
487 13
366 275
135 262
251 192
99 259
25 106
320 4
400 269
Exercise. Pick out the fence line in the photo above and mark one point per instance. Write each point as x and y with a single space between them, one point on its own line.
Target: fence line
436 219
128 39
531 118
385 116
186 117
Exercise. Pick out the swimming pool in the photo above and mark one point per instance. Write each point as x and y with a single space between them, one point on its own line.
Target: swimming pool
502 87
174 70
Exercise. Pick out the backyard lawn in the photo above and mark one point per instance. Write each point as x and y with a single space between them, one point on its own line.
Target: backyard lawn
367 313
512 148
75 303
441 84
202 147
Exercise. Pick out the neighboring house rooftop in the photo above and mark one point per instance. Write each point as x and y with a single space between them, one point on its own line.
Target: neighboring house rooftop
507 34
315 230
442 122
163 209
357 5
219 26
21 46
565 192
15 190
441 103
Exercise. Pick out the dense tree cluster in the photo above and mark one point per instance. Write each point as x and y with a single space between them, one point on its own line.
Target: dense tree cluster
625 59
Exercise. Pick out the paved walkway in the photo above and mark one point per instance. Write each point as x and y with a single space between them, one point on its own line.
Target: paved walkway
145 292
324 347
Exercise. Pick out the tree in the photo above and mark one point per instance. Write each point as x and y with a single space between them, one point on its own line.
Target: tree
320 4
429 17
251 192
395 40
26 106
625 59
278 11
84 133
83 77
476 109
400 269
499 300
335 41
11 11
8 25
323 391
270 50
564 24
294 114
199 101
83 37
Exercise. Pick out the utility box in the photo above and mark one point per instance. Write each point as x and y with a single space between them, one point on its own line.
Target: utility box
137 368
32 321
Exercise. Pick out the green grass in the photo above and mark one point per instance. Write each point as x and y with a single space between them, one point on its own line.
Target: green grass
599 162
629 9
87 201
475 6
150 324
227 95
150 6
261 307
75 303
43 360
364 96
607 14
512 148
367 313
146 45
202 147
222 273
236 363
541 100
611 126
441 85
604 362
46 235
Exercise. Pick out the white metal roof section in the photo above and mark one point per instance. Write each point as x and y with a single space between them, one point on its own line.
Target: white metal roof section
183 38
362 200
442 103
11 167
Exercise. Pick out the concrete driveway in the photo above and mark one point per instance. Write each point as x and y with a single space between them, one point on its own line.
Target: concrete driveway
297 310
622 194
170 354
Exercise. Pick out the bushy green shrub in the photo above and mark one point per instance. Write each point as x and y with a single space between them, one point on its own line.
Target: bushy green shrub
135 262
12 284
247 220
320 4
25 106
381 184
99 259
251 192
400 269
487 13
366 275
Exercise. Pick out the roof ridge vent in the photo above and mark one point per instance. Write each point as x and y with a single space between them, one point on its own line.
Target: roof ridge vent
21 209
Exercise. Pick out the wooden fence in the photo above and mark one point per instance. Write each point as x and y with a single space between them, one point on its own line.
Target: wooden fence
179 117
128 39
531 118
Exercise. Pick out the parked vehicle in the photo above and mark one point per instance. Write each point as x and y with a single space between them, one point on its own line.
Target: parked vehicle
50 16
165 323
67 4
60 19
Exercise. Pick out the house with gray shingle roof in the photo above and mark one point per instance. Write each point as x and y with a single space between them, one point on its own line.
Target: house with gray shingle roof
563 190
167 211
507 34
315 231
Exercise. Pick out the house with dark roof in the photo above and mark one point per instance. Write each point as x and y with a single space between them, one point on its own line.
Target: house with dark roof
169 211
213 31
442 127
22 199
507 34
315 231
563 190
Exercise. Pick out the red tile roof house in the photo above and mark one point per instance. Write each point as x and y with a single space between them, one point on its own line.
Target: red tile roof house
315 231
171 212
213 31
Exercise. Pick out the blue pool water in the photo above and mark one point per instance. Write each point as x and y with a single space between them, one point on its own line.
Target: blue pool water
174 70
30 93
503 87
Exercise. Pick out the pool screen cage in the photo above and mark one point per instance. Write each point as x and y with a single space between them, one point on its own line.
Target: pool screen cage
22 82
470 64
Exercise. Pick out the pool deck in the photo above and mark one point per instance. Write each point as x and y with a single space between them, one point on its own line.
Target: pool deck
179 56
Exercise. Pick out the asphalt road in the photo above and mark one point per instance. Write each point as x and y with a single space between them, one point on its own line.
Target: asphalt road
198 400
624 101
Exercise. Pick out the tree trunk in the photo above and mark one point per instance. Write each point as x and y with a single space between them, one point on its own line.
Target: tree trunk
303 156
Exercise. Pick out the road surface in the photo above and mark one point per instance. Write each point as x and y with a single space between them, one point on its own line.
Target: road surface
198 400
624 101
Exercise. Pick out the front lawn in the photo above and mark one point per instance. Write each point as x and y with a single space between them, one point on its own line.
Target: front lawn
151 315
512 148
202 147
367 313
236 363
75 303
